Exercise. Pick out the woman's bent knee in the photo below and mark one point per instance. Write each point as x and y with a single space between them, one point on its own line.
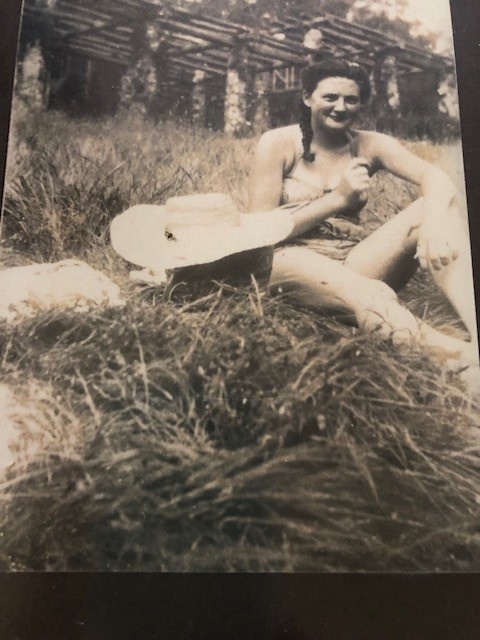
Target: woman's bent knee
312 280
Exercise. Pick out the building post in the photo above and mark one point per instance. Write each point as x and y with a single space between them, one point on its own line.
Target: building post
141 82
387 92
312 46
31 83
447 95
260 108
236 92
199 98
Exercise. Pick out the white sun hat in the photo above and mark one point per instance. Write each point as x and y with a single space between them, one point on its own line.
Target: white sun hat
193 230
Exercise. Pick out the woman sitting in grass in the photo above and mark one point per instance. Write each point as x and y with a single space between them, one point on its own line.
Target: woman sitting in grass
322 169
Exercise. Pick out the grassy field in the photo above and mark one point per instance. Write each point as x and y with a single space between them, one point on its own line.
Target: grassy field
230 432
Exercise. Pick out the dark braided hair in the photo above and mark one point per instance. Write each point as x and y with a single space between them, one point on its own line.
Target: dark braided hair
305 122
310 77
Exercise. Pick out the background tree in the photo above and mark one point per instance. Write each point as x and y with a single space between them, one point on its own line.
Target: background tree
249 12
391 17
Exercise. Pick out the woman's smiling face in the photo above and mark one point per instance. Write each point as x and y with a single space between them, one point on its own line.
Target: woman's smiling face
335 103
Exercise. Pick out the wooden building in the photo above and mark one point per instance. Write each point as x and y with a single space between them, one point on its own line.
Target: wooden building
99 55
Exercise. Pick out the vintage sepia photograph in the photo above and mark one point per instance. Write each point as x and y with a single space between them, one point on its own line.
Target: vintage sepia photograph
238 325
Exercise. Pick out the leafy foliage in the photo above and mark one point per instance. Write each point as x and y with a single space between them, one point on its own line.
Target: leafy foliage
254 12
390 20
249 11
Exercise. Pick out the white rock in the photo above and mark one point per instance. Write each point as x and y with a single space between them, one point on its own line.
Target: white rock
69 284
7 426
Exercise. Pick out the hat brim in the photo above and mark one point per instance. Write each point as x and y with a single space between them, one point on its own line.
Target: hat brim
138 235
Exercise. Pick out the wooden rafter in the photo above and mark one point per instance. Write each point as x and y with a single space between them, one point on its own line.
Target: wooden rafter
191 67
103 55
97 26
104 28
199 49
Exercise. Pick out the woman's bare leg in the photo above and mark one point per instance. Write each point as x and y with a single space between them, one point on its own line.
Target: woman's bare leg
317 282
388 255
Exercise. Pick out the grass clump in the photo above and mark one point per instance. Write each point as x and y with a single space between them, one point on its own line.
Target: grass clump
200 453
227 432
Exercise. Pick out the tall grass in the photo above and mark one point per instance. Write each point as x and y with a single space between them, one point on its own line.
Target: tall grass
226 432
63 190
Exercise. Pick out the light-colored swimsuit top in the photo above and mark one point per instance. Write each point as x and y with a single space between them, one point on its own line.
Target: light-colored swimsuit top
298 185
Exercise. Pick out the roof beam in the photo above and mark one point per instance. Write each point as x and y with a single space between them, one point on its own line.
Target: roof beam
198 67
192 30
200 49
214 65
92 40
70 35
95 53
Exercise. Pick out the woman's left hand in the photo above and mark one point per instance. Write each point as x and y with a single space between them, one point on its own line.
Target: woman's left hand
436 246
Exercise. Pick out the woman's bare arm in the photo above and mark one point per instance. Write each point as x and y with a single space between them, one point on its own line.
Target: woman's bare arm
392 156
435 247
266 172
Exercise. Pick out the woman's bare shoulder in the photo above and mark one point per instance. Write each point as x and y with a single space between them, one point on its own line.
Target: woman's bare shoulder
282 139
373 141
389 153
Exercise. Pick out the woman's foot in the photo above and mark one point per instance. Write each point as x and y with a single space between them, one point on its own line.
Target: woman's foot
467 367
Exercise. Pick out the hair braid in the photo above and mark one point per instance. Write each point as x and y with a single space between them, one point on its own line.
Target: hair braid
305 123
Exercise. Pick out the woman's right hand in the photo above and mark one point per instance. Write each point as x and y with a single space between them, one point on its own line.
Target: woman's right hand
354 183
